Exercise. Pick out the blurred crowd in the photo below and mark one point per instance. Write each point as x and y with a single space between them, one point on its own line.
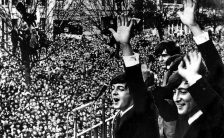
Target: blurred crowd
67 79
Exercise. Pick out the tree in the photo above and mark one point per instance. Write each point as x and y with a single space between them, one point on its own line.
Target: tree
27 42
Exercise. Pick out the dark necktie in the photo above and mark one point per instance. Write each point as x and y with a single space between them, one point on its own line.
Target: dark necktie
116 124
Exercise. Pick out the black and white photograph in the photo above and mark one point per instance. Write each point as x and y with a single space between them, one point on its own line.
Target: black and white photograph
111 68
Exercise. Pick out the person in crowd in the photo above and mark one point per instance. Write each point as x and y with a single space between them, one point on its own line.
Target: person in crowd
205 45
167 53
137 115
14 38
196 109
69 75
196 99
165 50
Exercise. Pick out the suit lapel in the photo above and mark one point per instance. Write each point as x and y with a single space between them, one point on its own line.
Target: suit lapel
125 117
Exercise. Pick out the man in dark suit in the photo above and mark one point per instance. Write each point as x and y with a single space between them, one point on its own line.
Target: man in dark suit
205 45
195 99
167 53
137 115
214 65
195 102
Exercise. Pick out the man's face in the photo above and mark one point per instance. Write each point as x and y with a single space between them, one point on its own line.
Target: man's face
121 96
183 99
163 58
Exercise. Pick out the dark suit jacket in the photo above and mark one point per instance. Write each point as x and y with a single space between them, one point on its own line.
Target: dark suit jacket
167 110
208 125
215 77
214 65
141 120
211 123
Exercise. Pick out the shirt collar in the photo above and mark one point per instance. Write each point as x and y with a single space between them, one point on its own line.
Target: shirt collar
123 112
194 117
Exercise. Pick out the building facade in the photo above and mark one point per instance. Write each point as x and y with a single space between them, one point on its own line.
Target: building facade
44 13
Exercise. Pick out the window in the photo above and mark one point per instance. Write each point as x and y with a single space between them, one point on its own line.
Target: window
179 1
29 2
14 2
14 23
168 1
5 2
42 2
42 23
59 4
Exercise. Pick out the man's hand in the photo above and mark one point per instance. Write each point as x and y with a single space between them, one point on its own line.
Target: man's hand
190 72
187 15
122 35
123 29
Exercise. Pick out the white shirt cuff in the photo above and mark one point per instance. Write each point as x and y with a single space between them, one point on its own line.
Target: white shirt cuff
131 60
200 39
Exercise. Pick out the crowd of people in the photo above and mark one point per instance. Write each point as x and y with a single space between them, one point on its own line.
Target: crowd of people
69 78
66 80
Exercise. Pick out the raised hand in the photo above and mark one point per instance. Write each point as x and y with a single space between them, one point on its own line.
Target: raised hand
190 72
123 29
187 15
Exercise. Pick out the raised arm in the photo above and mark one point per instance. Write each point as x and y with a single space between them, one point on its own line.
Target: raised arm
187 17
208 51
167 110
135 81
122 35
206 98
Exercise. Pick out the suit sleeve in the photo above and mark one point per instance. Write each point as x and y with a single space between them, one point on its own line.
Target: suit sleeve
208 101
214 64
167 109
137 88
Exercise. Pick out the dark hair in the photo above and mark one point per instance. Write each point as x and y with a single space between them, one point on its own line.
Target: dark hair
169 46
119 78
174 61
175 79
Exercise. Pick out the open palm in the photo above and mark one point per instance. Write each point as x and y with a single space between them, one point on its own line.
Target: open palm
123 30
123 34
192 65
187 15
